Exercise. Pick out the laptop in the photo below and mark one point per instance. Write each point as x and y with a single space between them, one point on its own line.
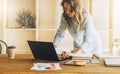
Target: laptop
112 62
45 51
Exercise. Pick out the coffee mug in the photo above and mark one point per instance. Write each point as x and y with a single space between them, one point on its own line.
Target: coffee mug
11 52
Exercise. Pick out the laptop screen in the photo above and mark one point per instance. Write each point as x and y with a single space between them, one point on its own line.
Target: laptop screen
43 50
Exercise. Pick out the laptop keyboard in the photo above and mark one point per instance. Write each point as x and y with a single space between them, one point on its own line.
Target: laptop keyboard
67 58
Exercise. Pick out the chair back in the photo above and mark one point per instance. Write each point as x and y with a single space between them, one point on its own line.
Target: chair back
1 46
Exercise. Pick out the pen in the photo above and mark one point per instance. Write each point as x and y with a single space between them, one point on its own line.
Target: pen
52 67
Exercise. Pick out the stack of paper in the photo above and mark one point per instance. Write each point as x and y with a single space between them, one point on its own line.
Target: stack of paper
82 56
106 56
46 66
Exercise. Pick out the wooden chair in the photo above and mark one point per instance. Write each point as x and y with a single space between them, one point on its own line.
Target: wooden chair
1 44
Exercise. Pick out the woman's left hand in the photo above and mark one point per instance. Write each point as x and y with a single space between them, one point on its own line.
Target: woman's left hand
75 51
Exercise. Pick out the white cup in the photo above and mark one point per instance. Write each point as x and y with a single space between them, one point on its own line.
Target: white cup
11 52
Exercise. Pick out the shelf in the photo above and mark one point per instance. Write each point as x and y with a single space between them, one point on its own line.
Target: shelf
45 25
20 29
30 29
104 29
46 29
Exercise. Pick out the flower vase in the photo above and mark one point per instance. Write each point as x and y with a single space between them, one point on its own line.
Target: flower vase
115 51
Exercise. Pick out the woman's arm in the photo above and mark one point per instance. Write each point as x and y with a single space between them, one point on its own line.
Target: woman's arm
76 50
89 33
60 32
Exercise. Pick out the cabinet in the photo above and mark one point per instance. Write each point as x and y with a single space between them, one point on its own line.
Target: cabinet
13 34
45 24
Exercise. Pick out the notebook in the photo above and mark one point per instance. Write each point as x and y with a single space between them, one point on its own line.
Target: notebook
106 56
45 51
112 62
76 62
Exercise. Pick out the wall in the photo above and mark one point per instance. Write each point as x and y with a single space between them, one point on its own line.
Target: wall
100 13
116 19
47 14
1 19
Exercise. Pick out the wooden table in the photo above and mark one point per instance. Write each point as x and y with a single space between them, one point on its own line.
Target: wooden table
23 62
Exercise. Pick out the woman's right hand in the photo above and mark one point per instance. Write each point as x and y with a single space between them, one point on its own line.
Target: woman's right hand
65 54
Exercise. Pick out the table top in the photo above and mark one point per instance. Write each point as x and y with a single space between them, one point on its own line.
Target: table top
23 62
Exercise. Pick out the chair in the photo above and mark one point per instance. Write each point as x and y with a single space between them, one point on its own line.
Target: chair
2 42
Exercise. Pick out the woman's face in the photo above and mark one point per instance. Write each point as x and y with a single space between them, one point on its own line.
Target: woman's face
67 10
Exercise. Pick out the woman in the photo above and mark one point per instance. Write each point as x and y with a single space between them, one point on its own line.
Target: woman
80 26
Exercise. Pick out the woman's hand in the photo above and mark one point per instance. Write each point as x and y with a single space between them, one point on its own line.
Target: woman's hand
75 51
65 54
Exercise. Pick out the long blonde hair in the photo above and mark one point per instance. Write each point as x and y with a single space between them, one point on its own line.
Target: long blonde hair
75 6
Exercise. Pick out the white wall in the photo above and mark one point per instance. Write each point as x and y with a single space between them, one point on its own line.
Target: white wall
47 14
116 19
1 19
100 14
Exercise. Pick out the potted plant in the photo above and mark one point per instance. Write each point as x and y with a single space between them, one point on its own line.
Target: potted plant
115 47
26 19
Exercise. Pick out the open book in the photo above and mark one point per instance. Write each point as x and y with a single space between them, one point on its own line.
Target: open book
82 56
